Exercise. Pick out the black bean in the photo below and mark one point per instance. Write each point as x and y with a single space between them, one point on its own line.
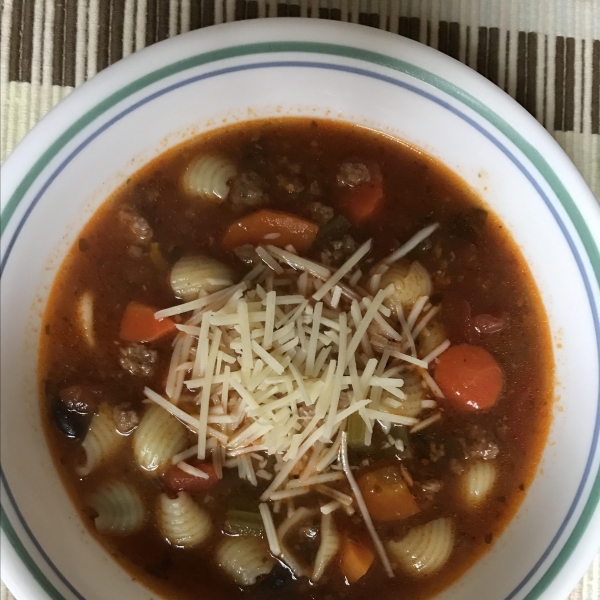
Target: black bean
71 424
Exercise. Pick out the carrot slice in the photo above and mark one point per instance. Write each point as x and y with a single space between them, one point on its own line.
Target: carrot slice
271 227
469 377
139 325
363 202
356 558
386 495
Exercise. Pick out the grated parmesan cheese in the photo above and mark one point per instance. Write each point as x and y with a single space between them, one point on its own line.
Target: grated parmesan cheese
276 373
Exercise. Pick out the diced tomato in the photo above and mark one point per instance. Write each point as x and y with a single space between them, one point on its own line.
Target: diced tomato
178 480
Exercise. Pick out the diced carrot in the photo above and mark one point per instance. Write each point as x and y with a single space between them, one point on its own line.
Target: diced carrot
271 227
386 495
139 325
356 558
363 202
469 377
178 480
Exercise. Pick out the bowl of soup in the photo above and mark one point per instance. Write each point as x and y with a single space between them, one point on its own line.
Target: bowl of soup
297 308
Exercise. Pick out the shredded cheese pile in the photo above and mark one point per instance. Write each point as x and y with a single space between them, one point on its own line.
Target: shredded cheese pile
275 365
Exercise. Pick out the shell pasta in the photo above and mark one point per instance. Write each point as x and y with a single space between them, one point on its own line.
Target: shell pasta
101 442
425 549
157 439
120 509
182 521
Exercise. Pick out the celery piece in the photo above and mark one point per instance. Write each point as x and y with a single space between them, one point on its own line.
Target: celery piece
356 431
243 522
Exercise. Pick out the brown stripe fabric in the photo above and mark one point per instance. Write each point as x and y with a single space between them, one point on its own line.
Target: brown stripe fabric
531 80
162 26
409 27
493 54
14 61
569 118
151 21
488 52
527 70
252 10
117 20
559 84
21 45
70 41
208 13
596 87
103 54
240 10
59 42
482 51
195 15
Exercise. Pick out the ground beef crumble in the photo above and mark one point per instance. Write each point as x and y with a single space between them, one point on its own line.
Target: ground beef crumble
351 174
137 225
138 360
125 418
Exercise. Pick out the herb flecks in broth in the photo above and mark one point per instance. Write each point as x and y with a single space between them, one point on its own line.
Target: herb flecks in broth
301 355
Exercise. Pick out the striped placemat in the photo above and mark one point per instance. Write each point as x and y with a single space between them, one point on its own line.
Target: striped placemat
544 53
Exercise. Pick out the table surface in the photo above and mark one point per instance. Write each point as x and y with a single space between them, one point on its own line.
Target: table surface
544 53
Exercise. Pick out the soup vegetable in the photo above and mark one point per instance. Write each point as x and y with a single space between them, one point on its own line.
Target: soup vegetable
295 357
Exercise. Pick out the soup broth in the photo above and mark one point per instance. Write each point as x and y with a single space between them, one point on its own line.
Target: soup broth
371 433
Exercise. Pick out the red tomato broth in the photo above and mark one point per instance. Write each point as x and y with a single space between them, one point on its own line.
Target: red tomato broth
471 259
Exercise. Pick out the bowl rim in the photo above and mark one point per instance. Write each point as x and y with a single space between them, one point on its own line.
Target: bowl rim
29 160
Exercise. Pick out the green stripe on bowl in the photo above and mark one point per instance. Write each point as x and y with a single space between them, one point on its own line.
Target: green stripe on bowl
28 561
441 84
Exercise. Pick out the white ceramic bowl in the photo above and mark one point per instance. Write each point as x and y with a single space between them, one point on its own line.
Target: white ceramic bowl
133 111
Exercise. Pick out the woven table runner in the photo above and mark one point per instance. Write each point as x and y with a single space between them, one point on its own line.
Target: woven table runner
544 53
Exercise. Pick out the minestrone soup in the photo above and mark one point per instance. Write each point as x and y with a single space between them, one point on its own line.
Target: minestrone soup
299 358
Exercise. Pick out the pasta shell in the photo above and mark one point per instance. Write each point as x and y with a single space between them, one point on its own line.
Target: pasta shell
101 441
85 318
120 509
182 521
287 556
209 177
430 338
328 548
425 549
478 481
158 438
244 559
195 275
409 280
